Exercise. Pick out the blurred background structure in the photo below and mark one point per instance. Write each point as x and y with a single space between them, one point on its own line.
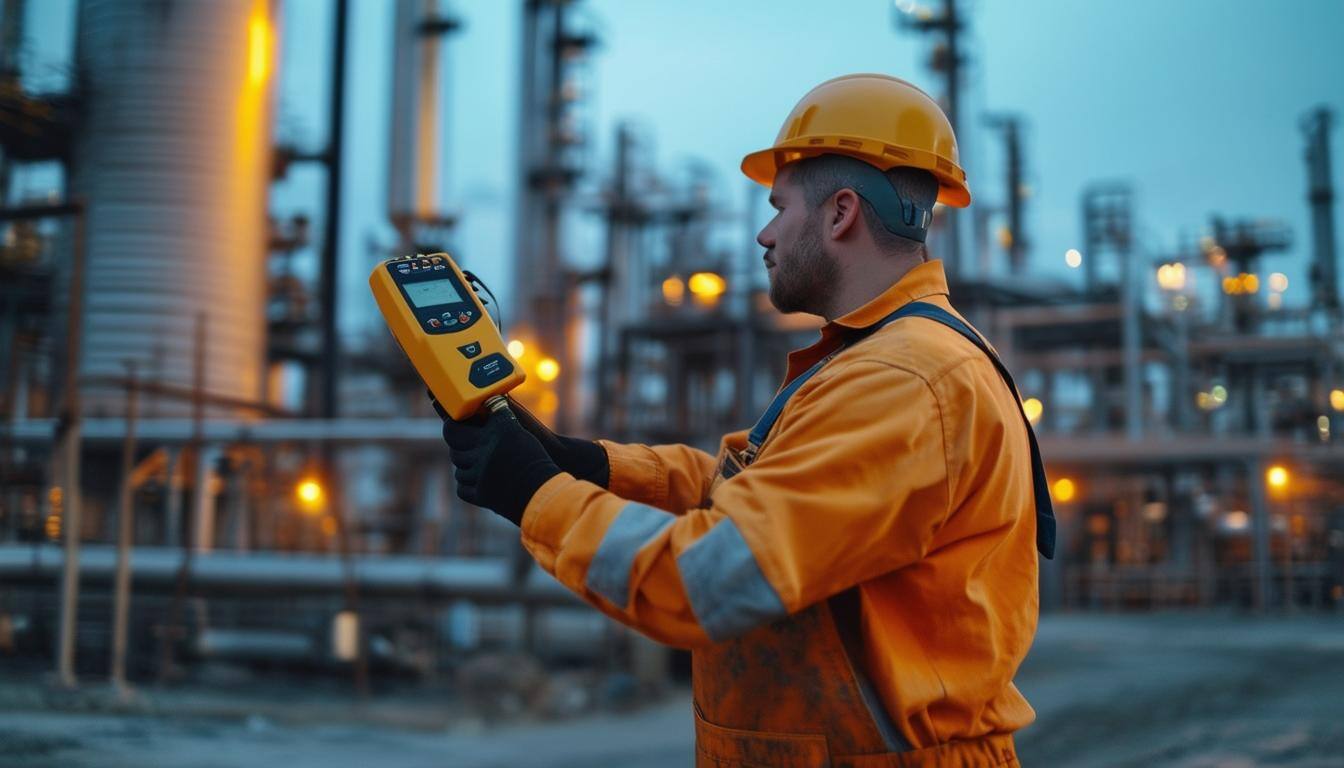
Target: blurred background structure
210 449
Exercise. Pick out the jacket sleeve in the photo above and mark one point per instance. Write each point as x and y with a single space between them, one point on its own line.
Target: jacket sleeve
852 484
670 477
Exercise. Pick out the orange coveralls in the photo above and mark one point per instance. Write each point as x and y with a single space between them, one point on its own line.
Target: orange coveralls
892 502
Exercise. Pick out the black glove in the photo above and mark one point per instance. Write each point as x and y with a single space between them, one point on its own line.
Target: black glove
498 465
581 458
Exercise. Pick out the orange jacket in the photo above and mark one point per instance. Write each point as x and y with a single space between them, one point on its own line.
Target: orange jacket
902 467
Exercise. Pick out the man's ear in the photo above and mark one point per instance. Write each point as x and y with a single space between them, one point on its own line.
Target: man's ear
844 214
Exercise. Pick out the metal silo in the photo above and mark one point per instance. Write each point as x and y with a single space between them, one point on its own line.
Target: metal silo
173 160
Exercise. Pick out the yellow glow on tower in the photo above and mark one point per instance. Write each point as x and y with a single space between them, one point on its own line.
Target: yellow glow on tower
258 46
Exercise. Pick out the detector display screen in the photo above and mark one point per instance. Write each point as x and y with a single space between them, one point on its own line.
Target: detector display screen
431 292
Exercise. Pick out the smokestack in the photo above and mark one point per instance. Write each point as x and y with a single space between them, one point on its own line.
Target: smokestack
1321 196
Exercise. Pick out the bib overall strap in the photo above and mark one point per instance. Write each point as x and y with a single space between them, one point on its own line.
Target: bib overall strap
1045 511
767 421
1045 514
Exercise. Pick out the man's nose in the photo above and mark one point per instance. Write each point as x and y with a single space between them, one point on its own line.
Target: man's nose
765 239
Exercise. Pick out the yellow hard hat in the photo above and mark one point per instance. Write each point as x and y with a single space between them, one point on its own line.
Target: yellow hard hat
879 119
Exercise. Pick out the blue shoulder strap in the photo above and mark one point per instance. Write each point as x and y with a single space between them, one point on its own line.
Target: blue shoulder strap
1045 513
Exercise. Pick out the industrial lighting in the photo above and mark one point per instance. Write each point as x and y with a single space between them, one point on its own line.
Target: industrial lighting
1337 399
1033 409
1236 520
706 287
1244 283
53 521
1213 399
516 349
1171 277
548 369
1074 258
1064 490
309 493
1323 427
1278 282
1005 236
1277 477
674 291
1155 511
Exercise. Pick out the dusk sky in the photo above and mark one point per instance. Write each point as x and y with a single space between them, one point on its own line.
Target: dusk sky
1196 102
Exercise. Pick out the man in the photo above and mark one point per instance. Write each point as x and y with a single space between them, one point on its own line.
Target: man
856 577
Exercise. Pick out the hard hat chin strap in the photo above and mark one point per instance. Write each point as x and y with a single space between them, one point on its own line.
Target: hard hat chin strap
900 216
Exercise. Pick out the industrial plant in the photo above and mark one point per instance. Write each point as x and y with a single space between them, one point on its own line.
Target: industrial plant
196 463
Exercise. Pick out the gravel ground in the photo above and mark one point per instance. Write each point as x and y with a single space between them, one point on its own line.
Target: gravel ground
1170 690
1182 690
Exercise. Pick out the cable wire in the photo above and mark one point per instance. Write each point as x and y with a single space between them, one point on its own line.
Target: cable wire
497 315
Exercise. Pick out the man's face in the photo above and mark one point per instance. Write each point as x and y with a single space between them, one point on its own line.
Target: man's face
802 275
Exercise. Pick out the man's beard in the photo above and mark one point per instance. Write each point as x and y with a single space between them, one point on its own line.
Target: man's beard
804 276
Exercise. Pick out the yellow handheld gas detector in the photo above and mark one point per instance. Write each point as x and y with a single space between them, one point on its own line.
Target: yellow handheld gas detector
443 328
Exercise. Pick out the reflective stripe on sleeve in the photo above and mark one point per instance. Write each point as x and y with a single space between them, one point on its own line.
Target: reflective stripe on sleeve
635 526
727 591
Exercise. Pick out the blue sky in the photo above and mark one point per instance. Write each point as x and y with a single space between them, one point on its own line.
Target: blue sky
1196 102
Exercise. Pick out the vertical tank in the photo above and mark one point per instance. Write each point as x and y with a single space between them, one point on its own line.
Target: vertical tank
413 145
173 160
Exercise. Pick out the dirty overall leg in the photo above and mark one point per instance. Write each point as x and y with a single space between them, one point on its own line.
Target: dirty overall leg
792 694
781 695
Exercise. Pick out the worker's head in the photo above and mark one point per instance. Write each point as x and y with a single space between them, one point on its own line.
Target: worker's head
854 171
826 234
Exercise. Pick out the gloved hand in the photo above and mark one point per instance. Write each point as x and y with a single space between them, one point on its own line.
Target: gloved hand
498 465
581 458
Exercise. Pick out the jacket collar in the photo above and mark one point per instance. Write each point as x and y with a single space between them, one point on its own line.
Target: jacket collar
923 281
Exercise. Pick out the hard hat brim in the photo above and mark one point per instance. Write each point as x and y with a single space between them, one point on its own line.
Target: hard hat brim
763 165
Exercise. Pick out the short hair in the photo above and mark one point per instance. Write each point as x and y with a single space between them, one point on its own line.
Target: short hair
824 175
